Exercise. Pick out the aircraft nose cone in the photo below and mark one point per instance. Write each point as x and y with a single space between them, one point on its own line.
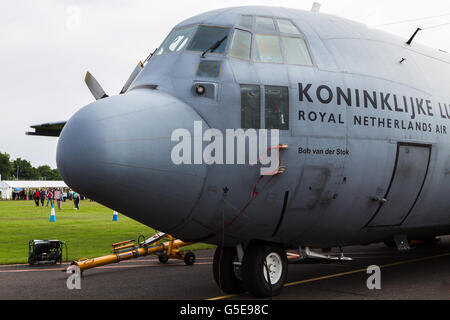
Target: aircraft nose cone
117 151
77 144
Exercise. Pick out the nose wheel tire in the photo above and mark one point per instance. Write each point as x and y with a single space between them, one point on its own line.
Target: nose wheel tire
227 271
263 262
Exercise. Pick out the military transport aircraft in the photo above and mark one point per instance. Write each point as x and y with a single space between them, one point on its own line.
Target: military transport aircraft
360 123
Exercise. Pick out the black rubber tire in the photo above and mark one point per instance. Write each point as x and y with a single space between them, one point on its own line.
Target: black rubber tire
254 268
224 271
163 258
189 258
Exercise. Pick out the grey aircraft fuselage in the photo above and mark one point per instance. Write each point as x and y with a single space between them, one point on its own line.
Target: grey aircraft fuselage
368 136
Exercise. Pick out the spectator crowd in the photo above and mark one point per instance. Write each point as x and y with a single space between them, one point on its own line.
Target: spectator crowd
58 196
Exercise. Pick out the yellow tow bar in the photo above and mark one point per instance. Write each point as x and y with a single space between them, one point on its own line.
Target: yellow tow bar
128 250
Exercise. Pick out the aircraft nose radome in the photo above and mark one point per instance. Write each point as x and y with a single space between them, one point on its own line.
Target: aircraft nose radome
117 151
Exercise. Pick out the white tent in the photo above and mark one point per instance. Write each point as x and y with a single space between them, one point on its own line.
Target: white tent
7 186
3 190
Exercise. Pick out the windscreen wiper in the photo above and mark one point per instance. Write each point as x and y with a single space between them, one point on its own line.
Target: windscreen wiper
214 46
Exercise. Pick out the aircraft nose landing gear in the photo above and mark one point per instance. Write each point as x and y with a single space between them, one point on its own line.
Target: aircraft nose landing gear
261 258
262 272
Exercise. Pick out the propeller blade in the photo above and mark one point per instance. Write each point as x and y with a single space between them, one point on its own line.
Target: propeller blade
95 87
133 76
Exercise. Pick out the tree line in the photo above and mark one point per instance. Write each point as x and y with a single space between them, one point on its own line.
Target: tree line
21 169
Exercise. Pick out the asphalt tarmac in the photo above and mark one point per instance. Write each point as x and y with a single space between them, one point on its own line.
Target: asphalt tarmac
420 273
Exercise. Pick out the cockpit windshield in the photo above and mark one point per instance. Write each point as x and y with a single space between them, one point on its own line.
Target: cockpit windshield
176 40
207 36
203 38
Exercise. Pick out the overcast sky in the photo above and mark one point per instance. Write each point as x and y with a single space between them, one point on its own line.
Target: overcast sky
48 45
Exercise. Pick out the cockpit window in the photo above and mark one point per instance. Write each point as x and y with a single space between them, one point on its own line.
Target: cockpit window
207 36
246 22
241 44
286 26
296 51
268 49
176 41
265 25
273 40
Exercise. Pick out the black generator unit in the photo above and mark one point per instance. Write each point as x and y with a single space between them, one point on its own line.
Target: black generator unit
45 252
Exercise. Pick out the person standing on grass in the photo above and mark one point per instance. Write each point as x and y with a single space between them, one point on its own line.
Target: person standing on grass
57 195
76 200
49 197
42 194
37 197
61 198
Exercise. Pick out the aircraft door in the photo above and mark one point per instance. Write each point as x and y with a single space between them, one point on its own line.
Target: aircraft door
408 178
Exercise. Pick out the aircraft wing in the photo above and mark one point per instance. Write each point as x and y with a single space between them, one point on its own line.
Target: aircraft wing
47 129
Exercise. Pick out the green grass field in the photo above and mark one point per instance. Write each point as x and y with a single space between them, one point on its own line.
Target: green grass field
88 232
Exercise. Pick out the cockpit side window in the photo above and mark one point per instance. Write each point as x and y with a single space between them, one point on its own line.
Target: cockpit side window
250 106
176 41
285 26
267 49
265 25
277 107
207 36
241 44
275 40
296 51
246 22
